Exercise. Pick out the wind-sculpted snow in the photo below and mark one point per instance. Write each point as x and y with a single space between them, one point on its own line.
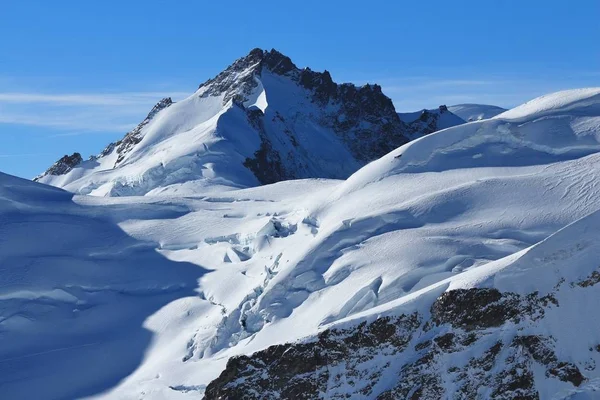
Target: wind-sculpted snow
463 262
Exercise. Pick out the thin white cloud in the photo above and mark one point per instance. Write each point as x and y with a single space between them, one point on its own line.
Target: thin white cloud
23 155
74 124
76 113
107 99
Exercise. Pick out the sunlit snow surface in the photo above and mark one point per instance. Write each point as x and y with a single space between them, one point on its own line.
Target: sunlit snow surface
475 112
147 297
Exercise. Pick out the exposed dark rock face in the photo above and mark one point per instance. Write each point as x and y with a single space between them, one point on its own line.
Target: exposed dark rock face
308 370
371 127
475 308
62 166
426 356
426 124
266 165
541 350
230 81
481 308
591 280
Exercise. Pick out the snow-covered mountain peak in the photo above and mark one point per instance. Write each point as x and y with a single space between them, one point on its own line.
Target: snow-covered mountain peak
261 120
239 78
238 82
552 128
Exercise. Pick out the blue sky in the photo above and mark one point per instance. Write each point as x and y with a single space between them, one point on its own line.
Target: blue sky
77 75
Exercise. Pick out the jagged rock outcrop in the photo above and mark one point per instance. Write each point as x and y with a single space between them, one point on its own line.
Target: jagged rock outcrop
62 166
362 117
427 356
306 370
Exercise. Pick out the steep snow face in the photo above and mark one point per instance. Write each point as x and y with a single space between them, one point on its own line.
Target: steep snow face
424 122
171 288
262 120
475 112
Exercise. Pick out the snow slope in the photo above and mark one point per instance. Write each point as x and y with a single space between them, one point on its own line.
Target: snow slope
475 112
262 120
75 291
172 287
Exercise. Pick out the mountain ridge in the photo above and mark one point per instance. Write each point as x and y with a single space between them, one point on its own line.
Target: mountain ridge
359 123
261 120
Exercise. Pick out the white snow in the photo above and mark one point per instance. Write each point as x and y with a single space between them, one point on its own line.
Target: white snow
258 98
475 112
147 297
577 101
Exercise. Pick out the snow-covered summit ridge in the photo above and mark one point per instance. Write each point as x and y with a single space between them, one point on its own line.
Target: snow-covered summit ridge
261 120
239 79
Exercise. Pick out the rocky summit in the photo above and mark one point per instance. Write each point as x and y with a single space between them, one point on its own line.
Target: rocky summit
262 120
